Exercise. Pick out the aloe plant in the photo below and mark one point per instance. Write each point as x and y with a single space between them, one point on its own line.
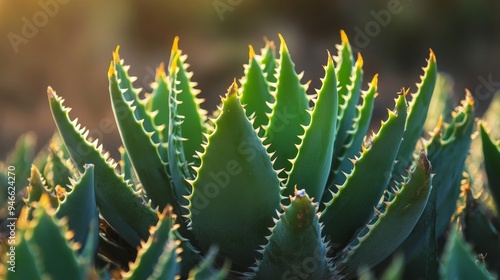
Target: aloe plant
278 183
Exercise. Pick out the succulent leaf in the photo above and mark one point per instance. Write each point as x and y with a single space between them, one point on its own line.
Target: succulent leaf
116 200
255 92
268 59
178 165
236 192
353 204
131 95
459 261
311 166
192 126
491 153
343 165
399 217
349 92
79 207
150 252
57 171
157 103
57 257
296 248
417 114
289 112
421 248
481 230
447 150
141 149
205 271
168 266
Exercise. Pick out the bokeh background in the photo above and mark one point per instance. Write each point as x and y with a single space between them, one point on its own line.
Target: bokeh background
69 43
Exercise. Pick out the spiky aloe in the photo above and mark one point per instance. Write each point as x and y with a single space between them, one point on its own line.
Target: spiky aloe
281 183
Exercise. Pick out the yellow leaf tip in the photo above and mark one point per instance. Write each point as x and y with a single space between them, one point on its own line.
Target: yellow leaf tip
160 70
343 37
375 80
468 97
432 56
175 45
111 70
282 42
359 60
251 52
116 54
233 88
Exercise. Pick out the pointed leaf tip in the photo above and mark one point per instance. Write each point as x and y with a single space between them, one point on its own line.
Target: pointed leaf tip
232 89
283 46
359 60
468 97
175 45
116 54
251 52
375 80
51 93
432 56
160 70
111 70
343 37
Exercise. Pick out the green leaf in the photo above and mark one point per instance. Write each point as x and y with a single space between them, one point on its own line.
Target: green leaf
178 164
192 126
481 230
57 257
57 171
168 266
441 102
36 188
79 207
400 215
255 92
131 95
143 152
447 150
491 153
459 261
157 103
354 141
311 166
289 112
268 59
28 265
345 70
117 202
349 92
417 114
236 192
296 248
353 204
204 270
420 247
150 252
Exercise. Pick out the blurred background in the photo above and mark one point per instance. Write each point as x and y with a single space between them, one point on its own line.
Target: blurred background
67 44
